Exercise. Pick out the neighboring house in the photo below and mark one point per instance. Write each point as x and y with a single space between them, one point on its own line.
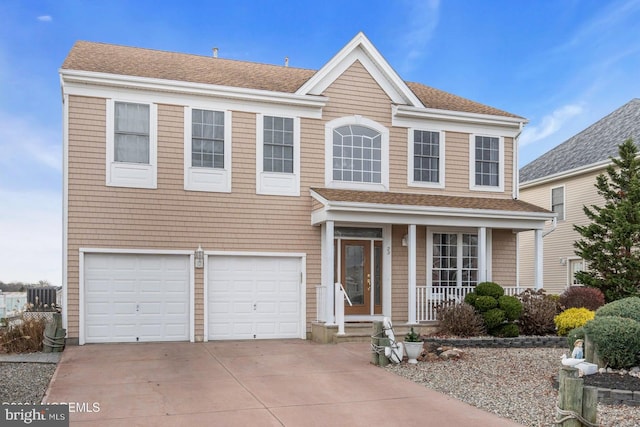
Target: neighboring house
289 180
563 180
11 303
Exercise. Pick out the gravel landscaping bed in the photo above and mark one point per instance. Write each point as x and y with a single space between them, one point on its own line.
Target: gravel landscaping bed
24 382
514 383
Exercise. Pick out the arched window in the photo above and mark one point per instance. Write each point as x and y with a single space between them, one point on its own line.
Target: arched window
356 154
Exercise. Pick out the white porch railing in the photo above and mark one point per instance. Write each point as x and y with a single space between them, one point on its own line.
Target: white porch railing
428 298
321 303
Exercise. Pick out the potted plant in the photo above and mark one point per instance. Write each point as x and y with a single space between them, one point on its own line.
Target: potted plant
413 346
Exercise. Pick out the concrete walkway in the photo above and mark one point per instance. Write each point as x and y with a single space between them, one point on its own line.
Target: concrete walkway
241 383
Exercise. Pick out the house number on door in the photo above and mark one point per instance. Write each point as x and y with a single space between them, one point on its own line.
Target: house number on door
254 307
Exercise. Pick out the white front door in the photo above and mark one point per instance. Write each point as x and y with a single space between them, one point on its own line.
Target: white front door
254 297
132 298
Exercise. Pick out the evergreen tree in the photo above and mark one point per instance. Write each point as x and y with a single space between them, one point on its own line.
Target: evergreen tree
610 244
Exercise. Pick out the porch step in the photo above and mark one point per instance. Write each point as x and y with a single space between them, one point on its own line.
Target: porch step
361 331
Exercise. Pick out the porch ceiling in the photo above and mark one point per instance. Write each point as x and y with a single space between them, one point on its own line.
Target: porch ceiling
426 209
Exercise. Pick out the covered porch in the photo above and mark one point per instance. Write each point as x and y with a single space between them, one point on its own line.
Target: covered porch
425 249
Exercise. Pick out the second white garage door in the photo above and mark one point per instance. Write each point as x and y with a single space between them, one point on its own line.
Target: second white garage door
254 297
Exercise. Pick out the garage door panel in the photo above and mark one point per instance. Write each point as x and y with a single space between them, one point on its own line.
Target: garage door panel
250 297
132 298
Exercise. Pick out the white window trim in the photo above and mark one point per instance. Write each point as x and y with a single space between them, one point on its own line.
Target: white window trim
458 230
564 201
207 179
410 161
133 175
472 165
277 183
328 138
569 259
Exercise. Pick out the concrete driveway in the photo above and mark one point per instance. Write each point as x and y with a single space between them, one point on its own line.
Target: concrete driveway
242 383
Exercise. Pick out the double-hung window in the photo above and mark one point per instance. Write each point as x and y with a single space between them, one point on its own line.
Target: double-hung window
426 158
278 144
207 147
557 202
454 259
486 166
131 144
278 155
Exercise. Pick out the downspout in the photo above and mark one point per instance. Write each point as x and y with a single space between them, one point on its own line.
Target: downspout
554 224
516 169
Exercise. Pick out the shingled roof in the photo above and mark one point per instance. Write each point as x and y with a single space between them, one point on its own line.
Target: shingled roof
427 200
139 62
595 144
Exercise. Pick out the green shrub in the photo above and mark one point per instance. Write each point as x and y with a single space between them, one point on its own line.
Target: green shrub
571 319
582 296
489 289
493 318
617 340
538 311
470 298
507 330
485 303
511 305
573 335
460 319
626 307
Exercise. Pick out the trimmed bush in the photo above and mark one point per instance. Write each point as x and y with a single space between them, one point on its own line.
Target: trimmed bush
485 303
507 330
538 311
626 307
573 335
582 296
571 319
489 289
461 320
511 305
471 298
617 340
493 318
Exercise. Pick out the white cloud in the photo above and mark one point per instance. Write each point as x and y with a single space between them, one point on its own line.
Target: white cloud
421 25
22 140
31 230
45 18
550 124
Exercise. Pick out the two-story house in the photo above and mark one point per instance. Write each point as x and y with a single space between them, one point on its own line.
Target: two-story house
211 199
563 180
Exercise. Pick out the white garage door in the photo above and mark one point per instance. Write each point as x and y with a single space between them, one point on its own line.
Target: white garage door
254 297
129 298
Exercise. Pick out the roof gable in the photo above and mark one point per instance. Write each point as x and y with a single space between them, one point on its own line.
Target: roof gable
362 50
594 145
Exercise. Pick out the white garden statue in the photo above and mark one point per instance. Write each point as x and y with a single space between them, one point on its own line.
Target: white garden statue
395 350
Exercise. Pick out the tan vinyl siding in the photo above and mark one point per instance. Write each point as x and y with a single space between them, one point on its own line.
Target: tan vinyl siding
558 245
169 218
503 259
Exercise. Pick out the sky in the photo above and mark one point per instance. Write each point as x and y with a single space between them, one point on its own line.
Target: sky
561 64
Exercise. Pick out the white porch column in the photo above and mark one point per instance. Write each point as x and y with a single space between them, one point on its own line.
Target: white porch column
328 272
482 254
538 260
411 274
